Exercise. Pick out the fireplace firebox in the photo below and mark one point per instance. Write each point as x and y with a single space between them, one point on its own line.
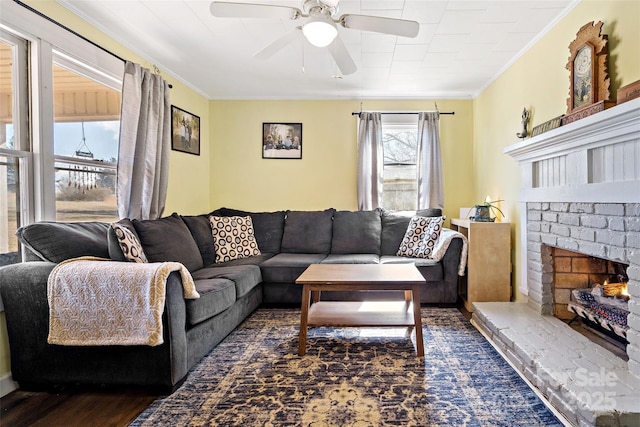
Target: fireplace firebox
593 291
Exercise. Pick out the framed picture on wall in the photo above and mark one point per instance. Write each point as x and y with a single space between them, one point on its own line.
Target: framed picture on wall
281 140
185 131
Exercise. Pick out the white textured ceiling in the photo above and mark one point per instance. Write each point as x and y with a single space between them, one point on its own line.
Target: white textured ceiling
461 47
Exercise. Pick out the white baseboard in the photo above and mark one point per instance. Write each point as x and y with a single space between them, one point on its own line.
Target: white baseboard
7 385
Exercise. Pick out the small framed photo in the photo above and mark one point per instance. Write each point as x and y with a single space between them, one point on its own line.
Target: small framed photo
185 131
281 140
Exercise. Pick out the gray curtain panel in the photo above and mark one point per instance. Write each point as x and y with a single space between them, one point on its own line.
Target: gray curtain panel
370 161
145 143
430 183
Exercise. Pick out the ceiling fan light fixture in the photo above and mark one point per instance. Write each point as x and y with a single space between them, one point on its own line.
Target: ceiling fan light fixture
320 31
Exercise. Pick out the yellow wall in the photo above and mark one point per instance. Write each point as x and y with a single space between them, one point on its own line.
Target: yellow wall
540 82
326 175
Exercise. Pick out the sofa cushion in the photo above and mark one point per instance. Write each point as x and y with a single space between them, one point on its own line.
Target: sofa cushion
394 225
216 295
268 227
351 259
129 244
287 267
431 270
233 237
308 232
254 260
200 229
356 232
168 239
421 237
58 241
244 277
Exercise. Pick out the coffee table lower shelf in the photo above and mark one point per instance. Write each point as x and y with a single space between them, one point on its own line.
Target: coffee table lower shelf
355 313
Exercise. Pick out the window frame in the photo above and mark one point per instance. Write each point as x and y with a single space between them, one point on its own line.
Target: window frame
47 42
20 151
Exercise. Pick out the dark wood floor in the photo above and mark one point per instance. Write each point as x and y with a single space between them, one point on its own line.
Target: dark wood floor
74 407
81 407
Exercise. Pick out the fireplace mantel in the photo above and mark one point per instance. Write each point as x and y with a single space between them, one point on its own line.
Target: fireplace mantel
595 159
592 160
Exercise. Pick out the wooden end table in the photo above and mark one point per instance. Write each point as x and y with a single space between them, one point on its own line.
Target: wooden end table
359 277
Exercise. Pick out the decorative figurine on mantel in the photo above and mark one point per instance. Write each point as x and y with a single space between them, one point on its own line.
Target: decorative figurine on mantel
525 121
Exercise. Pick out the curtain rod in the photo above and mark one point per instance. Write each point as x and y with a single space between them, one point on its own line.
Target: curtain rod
64 27
357 113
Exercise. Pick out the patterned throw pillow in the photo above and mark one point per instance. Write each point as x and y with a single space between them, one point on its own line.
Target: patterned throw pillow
130 244
233 237
421 236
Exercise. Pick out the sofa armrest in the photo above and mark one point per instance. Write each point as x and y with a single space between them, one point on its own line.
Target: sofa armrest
445 291
451 259
23 288
35 363
174 323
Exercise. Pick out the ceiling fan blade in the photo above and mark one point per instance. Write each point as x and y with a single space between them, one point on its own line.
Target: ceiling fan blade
278 44
223 9
341 56
379 24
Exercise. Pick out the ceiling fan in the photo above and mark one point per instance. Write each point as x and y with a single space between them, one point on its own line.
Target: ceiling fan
319 26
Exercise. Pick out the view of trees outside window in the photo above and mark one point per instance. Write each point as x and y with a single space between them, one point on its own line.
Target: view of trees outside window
400 145
86 131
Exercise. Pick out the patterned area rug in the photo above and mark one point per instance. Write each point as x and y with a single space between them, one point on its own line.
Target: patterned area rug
351 377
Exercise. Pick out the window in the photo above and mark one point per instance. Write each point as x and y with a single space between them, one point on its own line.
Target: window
59 126
400 146
13 144
85 134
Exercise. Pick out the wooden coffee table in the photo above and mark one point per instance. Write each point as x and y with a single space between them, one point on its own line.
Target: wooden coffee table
360 277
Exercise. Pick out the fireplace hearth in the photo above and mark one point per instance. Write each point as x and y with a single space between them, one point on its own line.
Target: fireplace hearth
579 194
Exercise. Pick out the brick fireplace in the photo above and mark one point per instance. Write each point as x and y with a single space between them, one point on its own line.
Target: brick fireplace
580 194
603 236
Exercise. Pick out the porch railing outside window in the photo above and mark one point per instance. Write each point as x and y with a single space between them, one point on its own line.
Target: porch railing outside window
85 191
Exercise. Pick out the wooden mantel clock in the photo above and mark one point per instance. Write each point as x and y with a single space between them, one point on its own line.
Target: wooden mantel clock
589 78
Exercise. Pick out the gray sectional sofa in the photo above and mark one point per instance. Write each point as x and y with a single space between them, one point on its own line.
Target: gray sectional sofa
289 242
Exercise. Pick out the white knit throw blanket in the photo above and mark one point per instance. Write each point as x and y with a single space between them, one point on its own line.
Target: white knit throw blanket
441 246
96 301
